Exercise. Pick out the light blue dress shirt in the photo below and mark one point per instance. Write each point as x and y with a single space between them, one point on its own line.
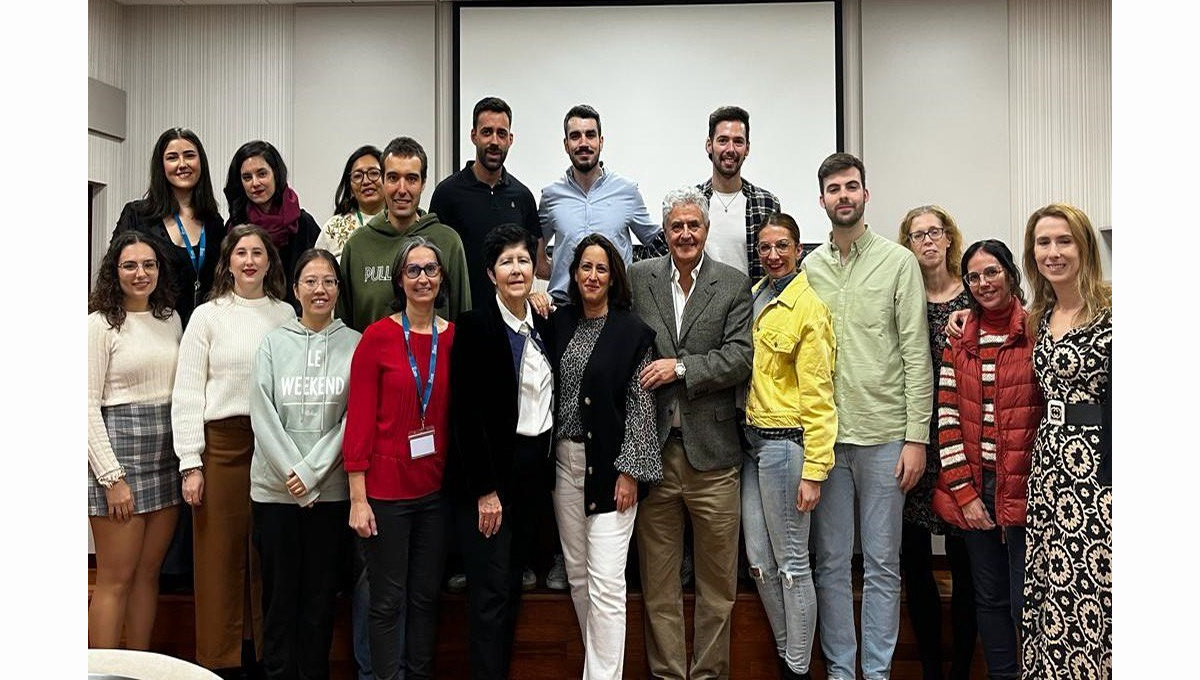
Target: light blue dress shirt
613 207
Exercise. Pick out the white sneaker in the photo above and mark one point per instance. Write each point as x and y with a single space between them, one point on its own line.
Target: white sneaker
528 579
456 583
557 578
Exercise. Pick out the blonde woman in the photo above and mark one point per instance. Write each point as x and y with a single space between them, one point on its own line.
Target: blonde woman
1066 622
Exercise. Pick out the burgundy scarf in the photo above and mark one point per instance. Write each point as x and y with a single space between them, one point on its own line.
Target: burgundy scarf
282 225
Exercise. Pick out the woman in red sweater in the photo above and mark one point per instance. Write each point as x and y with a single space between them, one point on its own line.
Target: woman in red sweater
989 410
397 428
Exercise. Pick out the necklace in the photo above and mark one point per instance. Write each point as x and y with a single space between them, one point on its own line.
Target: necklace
725 204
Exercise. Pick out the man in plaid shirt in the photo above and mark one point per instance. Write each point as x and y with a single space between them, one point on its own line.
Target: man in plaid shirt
736 207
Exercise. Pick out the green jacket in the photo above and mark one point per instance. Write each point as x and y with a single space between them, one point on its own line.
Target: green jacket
366 291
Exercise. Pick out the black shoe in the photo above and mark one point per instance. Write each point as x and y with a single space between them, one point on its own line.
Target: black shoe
786 673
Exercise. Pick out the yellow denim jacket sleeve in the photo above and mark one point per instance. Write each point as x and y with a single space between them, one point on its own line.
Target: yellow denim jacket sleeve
792 381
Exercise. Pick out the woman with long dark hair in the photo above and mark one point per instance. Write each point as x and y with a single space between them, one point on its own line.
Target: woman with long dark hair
989 406
606 443
179 210
210 421
258 193
358 198
133 492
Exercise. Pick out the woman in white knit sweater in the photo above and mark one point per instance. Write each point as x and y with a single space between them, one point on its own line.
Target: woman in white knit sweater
210 418
133 495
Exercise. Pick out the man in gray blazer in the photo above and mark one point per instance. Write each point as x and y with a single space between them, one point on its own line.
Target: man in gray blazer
700 310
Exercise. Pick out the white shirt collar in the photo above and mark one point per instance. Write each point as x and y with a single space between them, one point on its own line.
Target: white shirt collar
512 321
695 270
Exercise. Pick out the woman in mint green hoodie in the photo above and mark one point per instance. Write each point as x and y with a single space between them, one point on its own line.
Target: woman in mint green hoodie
298 488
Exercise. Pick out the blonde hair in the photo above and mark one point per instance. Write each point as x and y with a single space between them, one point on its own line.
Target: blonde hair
1095 293
954 253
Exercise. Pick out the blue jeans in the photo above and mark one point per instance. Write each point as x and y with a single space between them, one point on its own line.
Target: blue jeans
862 477
777 545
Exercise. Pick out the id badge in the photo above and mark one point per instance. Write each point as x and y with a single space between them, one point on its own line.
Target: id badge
420 443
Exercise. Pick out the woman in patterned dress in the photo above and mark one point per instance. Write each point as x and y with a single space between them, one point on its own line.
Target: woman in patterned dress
1066 623
358 198
605 443
930 232
133 489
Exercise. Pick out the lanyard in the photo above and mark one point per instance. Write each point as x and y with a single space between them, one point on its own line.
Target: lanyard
412 363
360 219
196 256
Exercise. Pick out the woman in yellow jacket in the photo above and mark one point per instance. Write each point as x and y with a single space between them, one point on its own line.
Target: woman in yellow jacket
791 423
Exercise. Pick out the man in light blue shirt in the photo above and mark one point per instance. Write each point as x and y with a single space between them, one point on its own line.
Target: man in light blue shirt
588 198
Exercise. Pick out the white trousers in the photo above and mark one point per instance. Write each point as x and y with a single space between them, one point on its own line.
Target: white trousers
595 550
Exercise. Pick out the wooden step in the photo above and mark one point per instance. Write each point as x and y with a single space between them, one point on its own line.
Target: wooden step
548 644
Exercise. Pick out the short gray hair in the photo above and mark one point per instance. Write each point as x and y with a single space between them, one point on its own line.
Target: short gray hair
688 195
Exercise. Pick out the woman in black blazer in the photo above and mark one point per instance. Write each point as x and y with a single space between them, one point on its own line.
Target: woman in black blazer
498 471
180 212
606 444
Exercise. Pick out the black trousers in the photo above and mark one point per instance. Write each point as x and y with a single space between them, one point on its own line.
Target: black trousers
494 565
404 565
925 602
301 550
998 569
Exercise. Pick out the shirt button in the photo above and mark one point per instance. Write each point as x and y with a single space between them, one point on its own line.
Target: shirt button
587 400
591 506
589 469
589 435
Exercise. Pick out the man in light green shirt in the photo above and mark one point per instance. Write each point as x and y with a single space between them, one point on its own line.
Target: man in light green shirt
883 387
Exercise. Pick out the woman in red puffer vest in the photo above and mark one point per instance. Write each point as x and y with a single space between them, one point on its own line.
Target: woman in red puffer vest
988 414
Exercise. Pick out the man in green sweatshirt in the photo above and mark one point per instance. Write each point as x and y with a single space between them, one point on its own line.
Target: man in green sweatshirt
368 254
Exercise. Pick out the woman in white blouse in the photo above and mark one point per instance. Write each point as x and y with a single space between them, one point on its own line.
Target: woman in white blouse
210 419
133 494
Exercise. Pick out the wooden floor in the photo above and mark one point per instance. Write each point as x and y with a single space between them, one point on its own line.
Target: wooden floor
548 644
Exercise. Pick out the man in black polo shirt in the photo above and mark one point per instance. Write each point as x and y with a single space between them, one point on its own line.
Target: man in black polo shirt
483 195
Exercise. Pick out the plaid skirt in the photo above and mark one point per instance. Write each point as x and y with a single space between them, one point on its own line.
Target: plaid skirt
140 435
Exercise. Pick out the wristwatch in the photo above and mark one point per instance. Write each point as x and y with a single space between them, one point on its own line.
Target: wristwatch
680 369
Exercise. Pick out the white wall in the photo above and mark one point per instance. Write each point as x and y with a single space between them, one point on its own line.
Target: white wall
367 89
657 72
988 107
935 112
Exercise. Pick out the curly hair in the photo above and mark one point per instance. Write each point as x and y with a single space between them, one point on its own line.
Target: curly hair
108 298
274 284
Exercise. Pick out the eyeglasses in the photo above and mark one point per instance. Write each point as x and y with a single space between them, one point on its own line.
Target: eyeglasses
372 175
311 283
431 270
781 247
934 233
148 266
988 274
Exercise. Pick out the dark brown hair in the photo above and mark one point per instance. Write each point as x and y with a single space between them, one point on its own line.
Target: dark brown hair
108 298
619 292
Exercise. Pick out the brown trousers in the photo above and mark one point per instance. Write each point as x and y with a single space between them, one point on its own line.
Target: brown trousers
228 581
713 501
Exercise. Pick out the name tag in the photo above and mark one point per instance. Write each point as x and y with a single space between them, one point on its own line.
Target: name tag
420 443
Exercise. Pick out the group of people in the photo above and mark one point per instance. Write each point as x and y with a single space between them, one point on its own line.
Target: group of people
404 378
